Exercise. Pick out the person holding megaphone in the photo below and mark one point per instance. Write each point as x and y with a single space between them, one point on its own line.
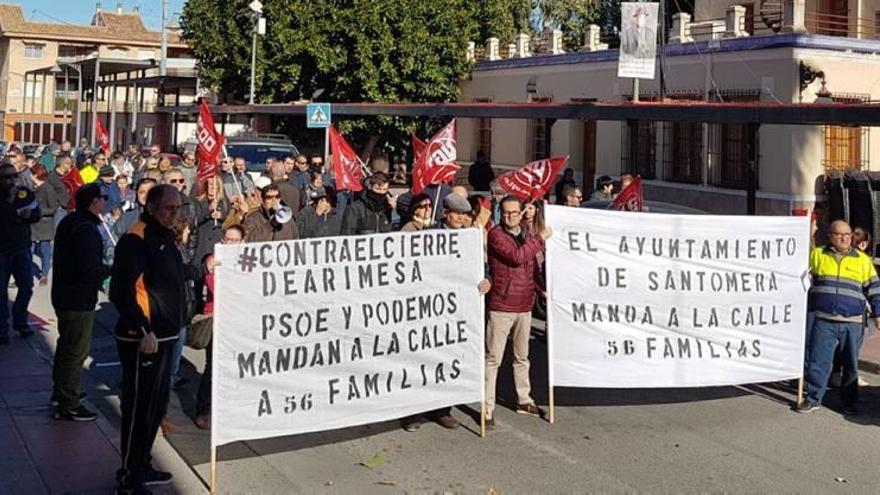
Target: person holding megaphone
273 221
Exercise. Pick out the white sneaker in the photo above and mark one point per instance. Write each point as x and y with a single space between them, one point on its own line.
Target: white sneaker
863 383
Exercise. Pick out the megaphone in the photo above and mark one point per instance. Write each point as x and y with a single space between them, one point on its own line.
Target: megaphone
283 215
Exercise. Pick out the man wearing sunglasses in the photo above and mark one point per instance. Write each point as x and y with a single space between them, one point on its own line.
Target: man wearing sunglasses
18 211
271 222
79 272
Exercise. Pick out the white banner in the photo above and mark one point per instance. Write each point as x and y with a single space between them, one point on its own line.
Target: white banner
638 40
650 300
319 334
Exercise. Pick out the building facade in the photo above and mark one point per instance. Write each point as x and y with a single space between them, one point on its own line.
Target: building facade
41 68
763 52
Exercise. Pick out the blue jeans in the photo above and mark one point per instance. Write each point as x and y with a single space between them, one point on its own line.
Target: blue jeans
824 340
176 353
43 250
20 267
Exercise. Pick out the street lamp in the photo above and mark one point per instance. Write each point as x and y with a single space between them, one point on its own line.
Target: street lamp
55 70
259 28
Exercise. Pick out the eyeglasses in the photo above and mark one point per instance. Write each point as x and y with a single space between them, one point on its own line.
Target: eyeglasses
424 205
177 181
271 196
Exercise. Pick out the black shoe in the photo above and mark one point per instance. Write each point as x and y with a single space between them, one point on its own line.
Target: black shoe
850 410
152 477
78 414
807 407
53 401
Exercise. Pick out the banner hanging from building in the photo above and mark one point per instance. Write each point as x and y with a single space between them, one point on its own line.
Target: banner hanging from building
638 39
317 334
640 300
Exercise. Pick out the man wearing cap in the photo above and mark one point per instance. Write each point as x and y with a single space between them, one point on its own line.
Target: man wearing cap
371 213
456 215
638 40
107 184
18 210
270 222
319 218
79 272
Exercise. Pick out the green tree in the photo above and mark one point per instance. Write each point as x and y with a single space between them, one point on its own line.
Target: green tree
503 19
353 50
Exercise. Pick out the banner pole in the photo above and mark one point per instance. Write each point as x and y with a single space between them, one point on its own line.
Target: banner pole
483 419
552 405
800 394
213 469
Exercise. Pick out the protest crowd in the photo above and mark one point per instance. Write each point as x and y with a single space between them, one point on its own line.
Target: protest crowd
87 215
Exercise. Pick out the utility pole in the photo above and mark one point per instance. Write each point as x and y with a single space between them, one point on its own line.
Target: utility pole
661 45
253 66
164 49
259 28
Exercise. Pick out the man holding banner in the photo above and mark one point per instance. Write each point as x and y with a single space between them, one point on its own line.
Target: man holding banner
844 280
456 210
513 263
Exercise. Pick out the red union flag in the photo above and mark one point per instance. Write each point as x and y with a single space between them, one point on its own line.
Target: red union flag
534 179
346 164
210 142
418 147
435 162
101 136
631 198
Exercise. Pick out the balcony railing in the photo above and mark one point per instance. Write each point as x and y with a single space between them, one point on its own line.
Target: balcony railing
840 25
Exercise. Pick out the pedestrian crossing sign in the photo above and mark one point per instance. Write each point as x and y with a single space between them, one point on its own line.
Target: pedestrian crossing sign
318 115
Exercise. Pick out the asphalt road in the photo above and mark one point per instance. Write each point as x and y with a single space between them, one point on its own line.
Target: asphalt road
728 439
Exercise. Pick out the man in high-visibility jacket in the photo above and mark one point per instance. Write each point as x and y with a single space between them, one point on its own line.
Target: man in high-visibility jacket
845 283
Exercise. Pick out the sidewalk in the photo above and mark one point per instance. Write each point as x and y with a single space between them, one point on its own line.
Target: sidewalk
42 455
869 357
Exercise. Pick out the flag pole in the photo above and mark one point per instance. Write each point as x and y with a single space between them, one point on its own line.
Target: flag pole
107 229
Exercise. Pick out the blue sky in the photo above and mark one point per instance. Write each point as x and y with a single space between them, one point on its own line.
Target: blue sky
81 11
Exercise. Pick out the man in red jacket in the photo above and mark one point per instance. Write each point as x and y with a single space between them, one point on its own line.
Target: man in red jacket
515 280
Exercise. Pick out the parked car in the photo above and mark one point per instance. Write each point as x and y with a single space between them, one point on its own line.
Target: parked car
256 149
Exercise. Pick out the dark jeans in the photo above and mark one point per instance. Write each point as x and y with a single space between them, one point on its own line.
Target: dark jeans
19 266
43 250
74 343
203 398
144 400
824 340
